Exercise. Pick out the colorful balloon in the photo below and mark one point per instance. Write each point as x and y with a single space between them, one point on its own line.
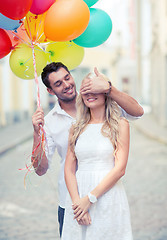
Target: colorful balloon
91 2
15 9
21 61
98 30
66 20
5 43
68 53
18 37
9 24
34 26
41 6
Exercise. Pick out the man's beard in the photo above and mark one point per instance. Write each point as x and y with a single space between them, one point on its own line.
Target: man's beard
65 99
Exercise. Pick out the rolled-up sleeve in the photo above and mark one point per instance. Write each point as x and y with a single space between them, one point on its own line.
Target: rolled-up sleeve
128 116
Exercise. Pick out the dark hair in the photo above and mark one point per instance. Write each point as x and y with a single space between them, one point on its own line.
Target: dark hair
51 67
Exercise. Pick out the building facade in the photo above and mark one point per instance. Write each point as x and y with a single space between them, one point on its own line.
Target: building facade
151 19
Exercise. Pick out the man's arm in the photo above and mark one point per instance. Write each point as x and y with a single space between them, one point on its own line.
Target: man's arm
99 84
126 102
38 158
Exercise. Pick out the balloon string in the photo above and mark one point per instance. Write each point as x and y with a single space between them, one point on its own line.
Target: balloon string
38 29
29 30
42 34
38 156
16 35
27 60
36 76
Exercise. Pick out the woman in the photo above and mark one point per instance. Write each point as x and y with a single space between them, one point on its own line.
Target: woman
97 156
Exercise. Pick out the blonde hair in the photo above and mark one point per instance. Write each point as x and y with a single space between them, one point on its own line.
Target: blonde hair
109 128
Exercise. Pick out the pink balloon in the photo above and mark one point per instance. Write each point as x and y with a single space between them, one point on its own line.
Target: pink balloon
40 6
5 43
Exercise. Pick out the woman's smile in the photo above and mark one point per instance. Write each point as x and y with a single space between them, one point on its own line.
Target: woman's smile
91 99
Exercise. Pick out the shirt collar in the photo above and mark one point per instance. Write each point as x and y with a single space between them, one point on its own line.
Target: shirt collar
57 109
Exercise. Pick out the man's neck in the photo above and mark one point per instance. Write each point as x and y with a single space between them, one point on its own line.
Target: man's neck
69 107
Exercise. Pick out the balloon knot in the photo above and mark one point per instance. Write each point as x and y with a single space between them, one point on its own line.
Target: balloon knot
52 53
14 46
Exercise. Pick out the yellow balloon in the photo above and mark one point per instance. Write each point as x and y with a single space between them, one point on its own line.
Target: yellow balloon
69 53
21 61
34 26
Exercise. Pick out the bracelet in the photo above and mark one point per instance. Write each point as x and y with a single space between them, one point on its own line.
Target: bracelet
110 87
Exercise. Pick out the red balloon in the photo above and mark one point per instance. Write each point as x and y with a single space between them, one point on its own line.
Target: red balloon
5 43
15 9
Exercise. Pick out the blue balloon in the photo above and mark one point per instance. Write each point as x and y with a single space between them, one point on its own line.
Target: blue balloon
97 31
9 24
90 2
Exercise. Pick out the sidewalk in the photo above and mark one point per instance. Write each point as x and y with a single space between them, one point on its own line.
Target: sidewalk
150 127
13 135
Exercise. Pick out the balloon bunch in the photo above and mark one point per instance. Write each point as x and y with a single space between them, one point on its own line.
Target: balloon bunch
58 30
36 32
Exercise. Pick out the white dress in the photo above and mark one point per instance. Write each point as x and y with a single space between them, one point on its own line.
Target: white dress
110 214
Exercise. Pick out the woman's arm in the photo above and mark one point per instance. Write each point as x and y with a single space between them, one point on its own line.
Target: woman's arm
114 175
69 173
71 182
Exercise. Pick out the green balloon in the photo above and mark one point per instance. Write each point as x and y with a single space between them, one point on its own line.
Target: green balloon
90 2
97 31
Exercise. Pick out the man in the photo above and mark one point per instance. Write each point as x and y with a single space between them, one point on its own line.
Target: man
60 82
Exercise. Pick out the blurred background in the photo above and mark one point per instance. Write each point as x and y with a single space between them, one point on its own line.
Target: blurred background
135 59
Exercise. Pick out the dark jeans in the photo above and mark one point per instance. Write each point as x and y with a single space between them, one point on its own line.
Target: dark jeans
60 219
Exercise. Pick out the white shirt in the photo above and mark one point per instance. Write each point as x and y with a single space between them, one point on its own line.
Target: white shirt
57 126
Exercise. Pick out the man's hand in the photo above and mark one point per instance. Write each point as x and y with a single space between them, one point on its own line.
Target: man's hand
81 207
97 84
37 120
85 220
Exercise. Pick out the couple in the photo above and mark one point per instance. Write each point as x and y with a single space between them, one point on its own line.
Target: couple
97 153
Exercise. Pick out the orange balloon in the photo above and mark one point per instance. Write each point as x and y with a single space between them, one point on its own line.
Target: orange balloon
66 20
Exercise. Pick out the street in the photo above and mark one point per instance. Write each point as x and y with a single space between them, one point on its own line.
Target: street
32 213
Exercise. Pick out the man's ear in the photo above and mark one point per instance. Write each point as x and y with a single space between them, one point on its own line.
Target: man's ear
50 91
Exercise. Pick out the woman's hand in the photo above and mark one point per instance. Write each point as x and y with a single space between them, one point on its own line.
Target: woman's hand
81 207
85 220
